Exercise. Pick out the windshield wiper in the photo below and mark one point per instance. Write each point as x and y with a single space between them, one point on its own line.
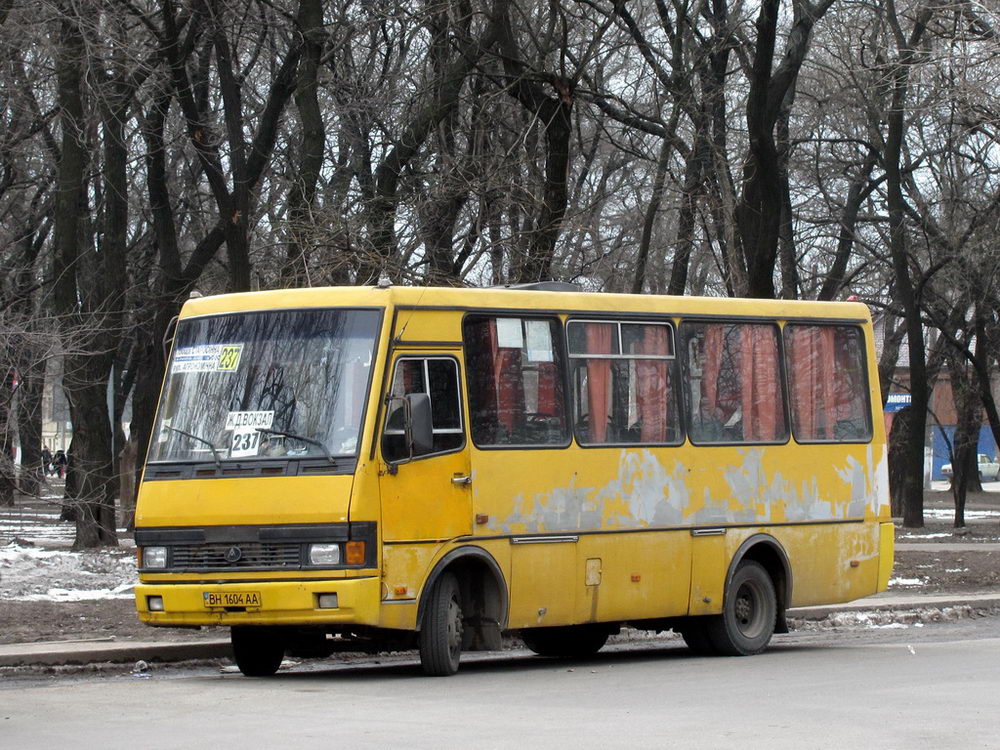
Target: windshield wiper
303 438
215 451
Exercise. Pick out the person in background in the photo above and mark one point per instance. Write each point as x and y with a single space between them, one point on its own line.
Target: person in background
59 463
46 460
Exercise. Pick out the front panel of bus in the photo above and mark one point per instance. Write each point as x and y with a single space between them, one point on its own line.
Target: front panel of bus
245 514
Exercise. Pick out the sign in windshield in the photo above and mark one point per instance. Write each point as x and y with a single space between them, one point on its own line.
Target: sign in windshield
290 383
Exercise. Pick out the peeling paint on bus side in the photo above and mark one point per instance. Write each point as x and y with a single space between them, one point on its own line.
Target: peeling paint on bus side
650 493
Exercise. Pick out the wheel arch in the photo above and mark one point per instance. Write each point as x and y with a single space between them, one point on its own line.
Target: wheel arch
767 551
483 588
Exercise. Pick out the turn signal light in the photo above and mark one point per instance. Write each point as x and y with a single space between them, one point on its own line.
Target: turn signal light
355 553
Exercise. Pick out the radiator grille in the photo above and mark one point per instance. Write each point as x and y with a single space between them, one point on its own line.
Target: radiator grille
251 555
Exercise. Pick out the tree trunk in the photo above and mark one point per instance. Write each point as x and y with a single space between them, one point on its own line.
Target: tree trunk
7 477
29 426
302 193
94 483
899 435
965 458
84 295
555 114
912 491
789 263
772 90
428 113
649 220
861 188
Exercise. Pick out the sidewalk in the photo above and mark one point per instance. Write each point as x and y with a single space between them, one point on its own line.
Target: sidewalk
111 650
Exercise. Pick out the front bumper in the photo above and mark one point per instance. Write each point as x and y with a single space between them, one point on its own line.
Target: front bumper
281 603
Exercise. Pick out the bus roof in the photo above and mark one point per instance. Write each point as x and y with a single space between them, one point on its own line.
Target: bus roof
520 299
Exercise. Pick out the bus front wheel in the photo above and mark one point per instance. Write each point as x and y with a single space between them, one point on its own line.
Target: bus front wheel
258 651
747 621
441 633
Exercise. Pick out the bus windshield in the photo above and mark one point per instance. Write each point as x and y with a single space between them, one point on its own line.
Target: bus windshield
289 383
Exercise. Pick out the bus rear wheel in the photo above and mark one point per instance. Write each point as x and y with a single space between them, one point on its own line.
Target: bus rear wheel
568 642
441 634
748 616
258 651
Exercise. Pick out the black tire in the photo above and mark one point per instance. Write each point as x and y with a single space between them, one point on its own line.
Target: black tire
440 638
748 616
696 637
569 642
258 651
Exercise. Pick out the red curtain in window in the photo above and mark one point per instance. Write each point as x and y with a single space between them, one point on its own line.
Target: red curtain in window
483 340
848 377
547 388
598 380
412 376
652 386
812 364
710 370
507 380
761 394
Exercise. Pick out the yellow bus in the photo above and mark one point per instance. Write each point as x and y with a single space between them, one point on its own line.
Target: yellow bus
392 467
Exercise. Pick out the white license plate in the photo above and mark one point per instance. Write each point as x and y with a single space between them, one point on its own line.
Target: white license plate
232 598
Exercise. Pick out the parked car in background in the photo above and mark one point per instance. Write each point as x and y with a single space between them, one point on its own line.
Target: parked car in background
988 468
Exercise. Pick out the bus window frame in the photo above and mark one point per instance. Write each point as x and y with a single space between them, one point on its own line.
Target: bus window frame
674 370
463 422
778 325
865 368
559 317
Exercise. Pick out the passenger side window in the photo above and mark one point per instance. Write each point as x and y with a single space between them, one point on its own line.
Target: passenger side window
515 374
622 381
438 378
733 384
828 383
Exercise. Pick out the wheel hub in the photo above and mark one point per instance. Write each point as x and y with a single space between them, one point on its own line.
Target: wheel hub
746 610
454 627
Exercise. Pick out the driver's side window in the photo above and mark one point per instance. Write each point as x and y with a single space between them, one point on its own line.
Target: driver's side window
438 378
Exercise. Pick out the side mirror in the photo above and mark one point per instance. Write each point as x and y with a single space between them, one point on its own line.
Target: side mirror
420 427
409 429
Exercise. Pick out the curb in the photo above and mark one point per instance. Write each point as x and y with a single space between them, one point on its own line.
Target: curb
896 604
92 652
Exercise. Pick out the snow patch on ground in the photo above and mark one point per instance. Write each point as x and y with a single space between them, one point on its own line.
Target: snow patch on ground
924 536
887 619
907 581
970 515
31 574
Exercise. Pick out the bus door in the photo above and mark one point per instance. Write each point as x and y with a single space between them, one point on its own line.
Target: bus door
425 489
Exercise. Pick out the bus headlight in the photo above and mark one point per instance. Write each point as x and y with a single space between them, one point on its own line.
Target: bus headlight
154 557
324 554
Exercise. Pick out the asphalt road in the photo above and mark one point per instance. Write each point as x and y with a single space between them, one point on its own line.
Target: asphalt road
932 687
